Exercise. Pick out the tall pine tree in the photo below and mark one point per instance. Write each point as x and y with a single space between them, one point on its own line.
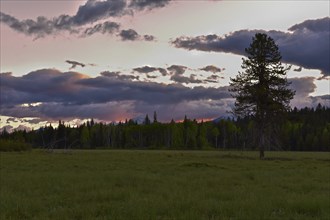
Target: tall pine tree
261 91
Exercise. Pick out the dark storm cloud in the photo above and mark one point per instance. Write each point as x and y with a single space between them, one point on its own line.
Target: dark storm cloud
148 4
39 85
113 96
307 45
149 69
92 11
75 64
103 28
50 85
71 94
211 68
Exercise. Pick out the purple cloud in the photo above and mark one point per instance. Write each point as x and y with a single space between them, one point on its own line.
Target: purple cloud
307 45
89 13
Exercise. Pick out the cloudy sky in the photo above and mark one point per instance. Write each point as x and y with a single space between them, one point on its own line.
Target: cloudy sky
117 59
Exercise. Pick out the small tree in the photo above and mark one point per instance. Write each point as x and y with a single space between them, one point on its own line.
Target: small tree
261 91
155 117
146 120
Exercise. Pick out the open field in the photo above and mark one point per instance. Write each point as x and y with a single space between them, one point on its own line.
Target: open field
116 184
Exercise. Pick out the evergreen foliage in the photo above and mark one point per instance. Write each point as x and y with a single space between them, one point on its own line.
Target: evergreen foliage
307 129
261 91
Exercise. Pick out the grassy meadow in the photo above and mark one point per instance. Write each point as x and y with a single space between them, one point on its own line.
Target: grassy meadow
120 184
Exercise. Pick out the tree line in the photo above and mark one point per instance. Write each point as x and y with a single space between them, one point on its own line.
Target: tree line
306 129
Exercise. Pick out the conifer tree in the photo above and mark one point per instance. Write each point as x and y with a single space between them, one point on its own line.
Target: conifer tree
146 120
261 90
155 117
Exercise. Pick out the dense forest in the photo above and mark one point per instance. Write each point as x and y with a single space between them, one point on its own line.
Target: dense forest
306 129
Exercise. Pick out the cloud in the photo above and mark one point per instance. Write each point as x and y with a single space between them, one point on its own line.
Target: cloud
103 28
132 35
110 74
148 4
65 95
149 38
213 78
177 69
49 85
317 25
108 111
87 14
211 68
151 77
304 86
184 79
114 96
202 109
177 73
306 44
75 64
145 69
129 35
39 85
298 69
11 120
117 75
149 69
38 28
43 27
33 120
93 11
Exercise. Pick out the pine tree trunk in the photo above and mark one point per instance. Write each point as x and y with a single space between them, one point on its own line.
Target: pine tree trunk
262 145
261 134
262 152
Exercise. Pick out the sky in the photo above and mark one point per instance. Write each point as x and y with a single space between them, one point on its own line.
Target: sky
117 59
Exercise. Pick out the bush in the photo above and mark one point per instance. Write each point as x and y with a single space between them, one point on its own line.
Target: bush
14 145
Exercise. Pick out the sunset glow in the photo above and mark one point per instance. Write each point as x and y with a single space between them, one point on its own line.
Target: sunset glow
113 60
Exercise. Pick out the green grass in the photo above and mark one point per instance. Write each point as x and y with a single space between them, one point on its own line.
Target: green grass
118 184
14 145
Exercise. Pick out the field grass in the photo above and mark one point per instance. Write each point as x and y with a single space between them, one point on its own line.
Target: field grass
117 184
